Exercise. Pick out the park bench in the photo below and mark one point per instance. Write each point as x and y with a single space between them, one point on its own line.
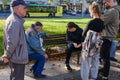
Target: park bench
55 46
55 39
50 44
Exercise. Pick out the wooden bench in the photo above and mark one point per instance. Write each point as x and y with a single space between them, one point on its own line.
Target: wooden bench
53 45
55 39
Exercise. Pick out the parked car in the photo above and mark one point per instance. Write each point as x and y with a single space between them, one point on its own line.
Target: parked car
73 13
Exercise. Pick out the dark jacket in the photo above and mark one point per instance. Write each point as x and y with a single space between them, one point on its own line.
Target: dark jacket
96 25
75 36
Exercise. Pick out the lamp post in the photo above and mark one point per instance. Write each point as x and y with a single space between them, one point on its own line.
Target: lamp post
74 6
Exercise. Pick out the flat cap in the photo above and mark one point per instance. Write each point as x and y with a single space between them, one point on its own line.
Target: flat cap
15 3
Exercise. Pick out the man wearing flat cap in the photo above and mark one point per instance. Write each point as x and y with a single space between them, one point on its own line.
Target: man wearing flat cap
15 46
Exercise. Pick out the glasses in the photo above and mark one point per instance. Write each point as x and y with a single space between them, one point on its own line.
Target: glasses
105 2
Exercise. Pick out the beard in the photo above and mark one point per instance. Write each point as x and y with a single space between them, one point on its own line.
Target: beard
107 7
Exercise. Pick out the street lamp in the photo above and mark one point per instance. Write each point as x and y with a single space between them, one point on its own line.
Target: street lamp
74 3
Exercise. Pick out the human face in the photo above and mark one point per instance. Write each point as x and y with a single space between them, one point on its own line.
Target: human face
106 4
71 29
39 29
22 10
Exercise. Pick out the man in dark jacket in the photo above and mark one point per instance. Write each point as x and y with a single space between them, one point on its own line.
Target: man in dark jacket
74 40
15 46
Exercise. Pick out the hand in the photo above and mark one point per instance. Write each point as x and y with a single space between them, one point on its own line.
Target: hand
75 45
46 35
4 59
46 56
78 46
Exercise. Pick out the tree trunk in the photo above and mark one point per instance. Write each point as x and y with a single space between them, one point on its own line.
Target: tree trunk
118 1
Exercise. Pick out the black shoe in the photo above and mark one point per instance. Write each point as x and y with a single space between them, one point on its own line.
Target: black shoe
100 73
40 76
113 59
101 61
68 67
31 70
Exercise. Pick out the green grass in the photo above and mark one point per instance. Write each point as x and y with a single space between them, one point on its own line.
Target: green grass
55 25
50 26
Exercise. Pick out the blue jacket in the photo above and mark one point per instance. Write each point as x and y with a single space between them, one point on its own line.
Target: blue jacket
34 41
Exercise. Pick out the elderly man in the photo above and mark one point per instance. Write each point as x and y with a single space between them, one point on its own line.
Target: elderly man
111 22
35 49
15 46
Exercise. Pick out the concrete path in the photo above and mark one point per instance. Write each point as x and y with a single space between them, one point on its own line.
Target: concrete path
55 70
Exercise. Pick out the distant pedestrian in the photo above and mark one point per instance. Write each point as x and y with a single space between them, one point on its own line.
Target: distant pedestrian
35 49
92 43
74 40
15 46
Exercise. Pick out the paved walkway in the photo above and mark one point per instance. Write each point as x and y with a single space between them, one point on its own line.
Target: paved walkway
56 71
2 15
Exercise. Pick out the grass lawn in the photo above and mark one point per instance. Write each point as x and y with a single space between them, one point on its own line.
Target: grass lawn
50 26
55 25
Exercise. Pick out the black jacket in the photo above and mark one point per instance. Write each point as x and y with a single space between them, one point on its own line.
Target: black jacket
75 36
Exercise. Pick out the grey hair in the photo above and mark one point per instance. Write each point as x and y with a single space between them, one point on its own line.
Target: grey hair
11 8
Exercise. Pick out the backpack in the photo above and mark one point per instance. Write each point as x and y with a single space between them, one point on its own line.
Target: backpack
92 43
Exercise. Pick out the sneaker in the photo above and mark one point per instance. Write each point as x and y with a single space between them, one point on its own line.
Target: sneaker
113 59
31 70
101 78
40 76
68 67
104 78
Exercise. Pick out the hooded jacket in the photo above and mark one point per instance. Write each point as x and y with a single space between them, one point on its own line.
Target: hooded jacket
34 42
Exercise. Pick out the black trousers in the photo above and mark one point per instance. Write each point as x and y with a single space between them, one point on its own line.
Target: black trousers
17 71
69 50
105 55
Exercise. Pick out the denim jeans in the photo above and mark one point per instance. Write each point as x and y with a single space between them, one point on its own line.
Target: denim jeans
39 64
113 48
